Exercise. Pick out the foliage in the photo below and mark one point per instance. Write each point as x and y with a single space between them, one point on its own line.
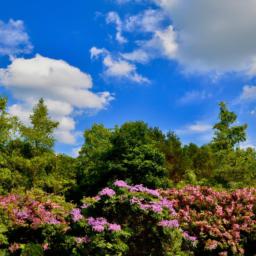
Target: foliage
202 201
127 152
40 135
226 135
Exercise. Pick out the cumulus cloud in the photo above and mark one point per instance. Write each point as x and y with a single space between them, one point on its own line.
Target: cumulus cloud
210 36
214 35
64 88
117 67
158 41
14 39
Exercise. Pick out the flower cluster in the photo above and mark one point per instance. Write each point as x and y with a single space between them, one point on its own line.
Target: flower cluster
222 221
27 211
99 224
137 188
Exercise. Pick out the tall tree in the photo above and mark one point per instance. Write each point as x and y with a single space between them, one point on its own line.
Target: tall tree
227 135
40 134
7 123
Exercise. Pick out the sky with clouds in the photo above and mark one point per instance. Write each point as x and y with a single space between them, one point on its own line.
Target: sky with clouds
166 62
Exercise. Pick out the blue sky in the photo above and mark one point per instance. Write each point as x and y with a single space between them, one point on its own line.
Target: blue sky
166 62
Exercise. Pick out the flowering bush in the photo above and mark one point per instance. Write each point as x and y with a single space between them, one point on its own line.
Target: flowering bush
223 222
25 218
131 220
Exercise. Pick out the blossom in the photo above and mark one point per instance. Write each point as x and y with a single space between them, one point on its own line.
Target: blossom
211 244
114 227
14 247
97 224
76 214
169 223
45 246
188 237
107 192
121 184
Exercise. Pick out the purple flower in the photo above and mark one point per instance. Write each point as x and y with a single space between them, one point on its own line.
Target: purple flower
107 192
121 184
53 221
152 192
76 214
97 224
155 207
98 228
169 223
114 227
22 215
188 237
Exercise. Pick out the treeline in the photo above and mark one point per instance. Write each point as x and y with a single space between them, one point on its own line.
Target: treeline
133 152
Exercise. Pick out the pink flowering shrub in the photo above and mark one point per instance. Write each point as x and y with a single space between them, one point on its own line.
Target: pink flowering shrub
223 222
131 220
25 218
148 221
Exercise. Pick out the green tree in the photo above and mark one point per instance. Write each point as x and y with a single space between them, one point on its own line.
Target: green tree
8 124
40 134
228 135
128 152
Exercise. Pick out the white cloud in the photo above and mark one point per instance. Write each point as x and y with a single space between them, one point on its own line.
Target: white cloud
194 97
146 21
14 38
209 36
163 43
96 52
248 93
214 35
75 151
65 131
117 67
113 17
199 132
20 111
197 127
64 88
138 55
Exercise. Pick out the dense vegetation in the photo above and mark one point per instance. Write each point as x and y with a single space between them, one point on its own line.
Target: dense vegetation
192 200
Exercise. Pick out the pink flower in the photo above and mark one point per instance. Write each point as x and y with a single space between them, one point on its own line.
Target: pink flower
169 223
114 227
107 192
121 184
76 214
14 247
45 246
97 224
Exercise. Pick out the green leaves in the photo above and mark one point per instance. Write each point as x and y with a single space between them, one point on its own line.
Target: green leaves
40 135
226 134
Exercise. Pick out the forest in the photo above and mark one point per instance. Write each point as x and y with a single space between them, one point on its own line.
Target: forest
133 190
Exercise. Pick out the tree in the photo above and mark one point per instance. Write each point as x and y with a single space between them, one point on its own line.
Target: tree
40 134
128 152
228 135
7 124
